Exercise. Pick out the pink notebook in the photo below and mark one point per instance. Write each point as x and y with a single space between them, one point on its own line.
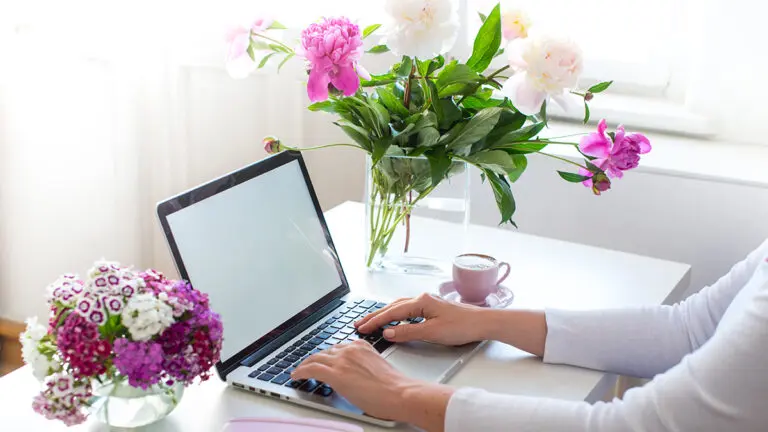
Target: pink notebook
288 425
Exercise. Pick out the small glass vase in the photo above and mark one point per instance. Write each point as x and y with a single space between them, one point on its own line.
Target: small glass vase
400 196
118 404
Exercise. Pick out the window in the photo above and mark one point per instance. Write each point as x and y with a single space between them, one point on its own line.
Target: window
637 43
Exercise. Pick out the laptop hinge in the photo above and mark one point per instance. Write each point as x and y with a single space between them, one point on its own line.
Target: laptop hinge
307 322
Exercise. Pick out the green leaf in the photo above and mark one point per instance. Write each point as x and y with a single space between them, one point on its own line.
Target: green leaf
499 52
382 115
522 134
422 67
509 121
522 147
358 134
487 42
543 113
586 112
439 164
455 73
495 160
285 60
436 64
264 61
600 87
482 16
593 168
378 49
276 26
573 178
279 48
392 102
454 90
477 128
327 106
370 29
406 66
505 201
380 147
448 113
476 103
250 52
428 137
521 163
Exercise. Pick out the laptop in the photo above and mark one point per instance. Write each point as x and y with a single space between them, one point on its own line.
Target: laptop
256 242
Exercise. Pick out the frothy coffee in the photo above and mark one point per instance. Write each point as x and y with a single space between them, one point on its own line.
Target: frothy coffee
474 262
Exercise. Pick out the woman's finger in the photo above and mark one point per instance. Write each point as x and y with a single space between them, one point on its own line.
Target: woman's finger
317 371
323 357
410 332
398 312
371 315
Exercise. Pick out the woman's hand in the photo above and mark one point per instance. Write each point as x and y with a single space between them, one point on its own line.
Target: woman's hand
357 372
446 323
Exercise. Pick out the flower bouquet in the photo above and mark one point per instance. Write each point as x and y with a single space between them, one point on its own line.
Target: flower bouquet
120 344
430 115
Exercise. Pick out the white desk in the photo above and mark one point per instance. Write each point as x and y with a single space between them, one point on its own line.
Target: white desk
544 273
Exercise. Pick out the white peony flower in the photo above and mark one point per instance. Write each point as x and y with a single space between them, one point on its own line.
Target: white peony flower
545 67
146 316
30 340
514 24
421 28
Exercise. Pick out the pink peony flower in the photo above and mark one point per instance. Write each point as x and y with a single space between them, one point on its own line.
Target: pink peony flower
332 47
614 155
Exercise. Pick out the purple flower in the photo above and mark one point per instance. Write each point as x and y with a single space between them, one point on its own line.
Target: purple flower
79 344
272 145
615 155
332 47
141 362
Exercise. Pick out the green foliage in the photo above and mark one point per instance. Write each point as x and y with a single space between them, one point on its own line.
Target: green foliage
264 60
573 178
586 112
423 115
487 42
460 139
378 49
370 29
600 87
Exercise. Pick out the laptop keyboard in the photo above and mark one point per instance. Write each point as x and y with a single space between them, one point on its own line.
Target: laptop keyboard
337 329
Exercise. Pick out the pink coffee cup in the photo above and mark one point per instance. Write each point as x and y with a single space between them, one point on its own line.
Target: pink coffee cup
475 276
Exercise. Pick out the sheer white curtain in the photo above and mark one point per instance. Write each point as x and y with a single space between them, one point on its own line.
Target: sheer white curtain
107 109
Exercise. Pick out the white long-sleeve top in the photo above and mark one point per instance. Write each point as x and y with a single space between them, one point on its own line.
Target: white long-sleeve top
708 357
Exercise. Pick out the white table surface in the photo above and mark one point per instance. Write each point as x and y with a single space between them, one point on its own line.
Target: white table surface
545 273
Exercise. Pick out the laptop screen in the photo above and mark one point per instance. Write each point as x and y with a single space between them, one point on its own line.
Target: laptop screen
259 250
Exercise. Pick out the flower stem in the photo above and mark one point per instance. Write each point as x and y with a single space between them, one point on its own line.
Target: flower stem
320 147
408 222
491 76
562 159
259 35
407 92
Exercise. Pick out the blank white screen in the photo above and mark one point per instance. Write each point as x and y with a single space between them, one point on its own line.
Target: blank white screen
259 251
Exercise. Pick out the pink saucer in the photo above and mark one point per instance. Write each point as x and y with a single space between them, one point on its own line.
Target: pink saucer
500 298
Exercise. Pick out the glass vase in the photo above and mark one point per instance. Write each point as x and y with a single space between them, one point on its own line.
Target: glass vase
401 200
118 404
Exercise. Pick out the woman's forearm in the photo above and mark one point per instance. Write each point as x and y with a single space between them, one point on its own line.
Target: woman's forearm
525 330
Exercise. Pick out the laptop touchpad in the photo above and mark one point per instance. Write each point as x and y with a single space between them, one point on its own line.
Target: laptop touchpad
426 361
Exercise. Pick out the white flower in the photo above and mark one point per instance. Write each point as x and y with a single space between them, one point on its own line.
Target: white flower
514 24
146 316
421 28
545 67
30 340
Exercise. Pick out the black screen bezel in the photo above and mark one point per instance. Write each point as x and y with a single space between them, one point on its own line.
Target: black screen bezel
221 184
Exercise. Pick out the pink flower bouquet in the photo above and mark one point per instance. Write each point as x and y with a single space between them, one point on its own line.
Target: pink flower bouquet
115 326
431 110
